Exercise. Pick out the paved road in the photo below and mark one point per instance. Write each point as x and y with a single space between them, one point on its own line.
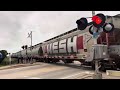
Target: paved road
48 71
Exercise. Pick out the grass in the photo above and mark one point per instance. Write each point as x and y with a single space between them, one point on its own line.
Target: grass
6 61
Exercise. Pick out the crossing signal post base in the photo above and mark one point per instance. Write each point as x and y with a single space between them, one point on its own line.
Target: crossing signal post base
97 76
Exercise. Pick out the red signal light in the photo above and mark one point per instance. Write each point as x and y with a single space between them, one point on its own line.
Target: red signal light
96 19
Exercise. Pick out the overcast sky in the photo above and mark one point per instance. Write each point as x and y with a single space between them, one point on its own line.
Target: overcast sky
15 25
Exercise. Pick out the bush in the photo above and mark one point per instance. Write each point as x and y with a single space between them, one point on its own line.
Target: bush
3 55
6 61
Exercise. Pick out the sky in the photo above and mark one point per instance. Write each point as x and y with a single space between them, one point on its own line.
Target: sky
15 26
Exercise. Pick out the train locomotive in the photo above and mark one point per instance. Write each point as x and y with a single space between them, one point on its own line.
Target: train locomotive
76 45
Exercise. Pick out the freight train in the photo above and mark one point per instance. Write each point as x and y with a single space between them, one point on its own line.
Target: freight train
76 45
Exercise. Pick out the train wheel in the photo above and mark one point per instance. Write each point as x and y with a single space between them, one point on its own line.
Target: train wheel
18 61
114 67
40 60
50 60
34 60
31 60
47 60
93 65
65 61
53 61
102 68
69 61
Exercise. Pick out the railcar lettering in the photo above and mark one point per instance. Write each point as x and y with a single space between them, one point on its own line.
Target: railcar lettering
62 46
55 47
71 44
44 48
49 48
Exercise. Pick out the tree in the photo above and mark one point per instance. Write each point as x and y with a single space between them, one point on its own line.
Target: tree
3 55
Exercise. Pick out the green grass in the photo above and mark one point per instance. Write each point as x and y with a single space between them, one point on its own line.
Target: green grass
6 62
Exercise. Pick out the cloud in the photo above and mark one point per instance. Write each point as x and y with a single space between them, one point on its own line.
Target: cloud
9 27
47 24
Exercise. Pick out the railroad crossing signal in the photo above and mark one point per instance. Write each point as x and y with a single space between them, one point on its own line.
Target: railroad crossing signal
82 23
24 47
98 22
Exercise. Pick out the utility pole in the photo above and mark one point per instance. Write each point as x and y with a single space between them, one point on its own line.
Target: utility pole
9 58
97 74
94 28
93 13
31 40
31 47
20 60
30 35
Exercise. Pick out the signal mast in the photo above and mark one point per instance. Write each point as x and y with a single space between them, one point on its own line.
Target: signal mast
98 23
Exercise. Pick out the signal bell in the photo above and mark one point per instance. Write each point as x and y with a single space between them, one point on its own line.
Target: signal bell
82 23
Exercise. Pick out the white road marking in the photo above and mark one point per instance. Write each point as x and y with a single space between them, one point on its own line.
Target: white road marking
25 76
71 75
28 77
33 78
17 68
86 72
